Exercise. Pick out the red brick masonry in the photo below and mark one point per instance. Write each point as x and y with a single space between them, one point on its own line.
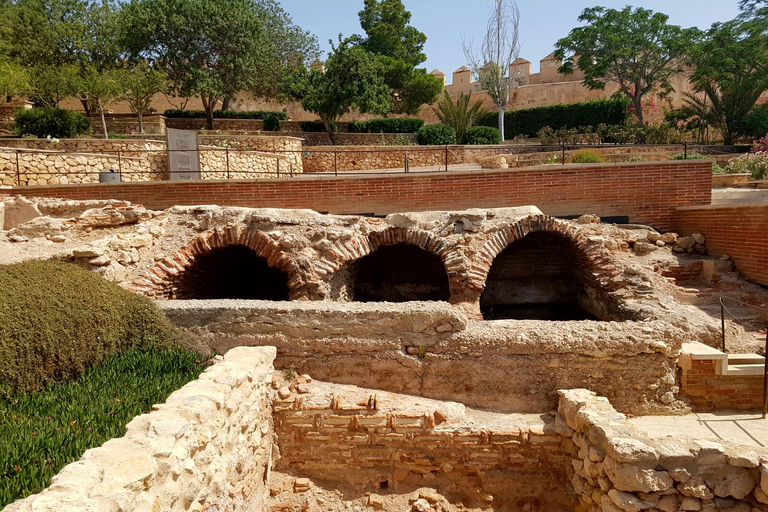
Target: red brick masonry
646 192
740 231
707 390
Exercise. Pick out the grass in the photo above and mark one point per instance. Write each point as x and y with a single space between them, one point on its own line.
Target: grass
42 431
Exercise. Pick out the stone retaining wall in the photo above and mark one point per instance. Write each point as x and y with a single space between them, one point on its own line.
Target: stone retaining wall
72 161
616 468
209 446
356 158
429 349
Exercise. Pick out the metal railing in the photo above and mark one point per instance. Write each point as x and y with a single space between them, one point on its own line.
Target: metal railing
723 310
440 158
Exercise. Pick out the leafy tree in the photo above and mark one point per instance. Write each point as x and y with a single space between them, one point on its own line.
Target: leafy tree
398 47
101 89
50 84
635 48
352 80
215 49
14 80
139 85
499 49
731 72
461 115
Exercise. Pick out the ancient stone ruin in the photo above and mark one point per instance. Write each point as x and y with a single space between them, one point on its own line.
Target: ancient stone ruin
487 359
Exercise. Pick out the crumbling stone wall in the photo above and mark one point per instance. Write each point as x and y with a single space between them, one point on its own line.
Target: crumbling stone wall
615 468
210 445
432 350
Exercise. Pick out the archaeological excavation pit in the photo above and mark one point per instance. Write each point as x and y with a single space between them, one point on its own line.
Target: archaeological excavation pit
398 273
536 278
232 272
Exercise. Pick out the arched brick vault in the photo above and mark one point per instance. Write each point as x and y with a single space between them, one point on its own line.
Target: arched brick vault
159 280
343 253
596 268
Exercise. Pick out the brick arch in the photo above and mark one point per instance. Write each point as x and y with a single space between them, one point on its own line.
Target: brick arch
343 253
158 281
595 261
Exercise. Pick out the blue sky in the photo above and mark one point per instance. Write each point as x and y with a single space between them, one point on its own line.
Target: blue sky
446 21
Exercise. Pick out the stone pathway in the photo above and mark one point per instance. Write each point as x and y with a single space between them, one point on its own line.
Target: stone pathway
739 427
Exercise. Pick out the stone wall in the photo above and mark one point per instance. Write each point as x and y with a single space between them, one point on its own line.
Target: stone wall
429 349
209 446
128 124
602 189
71 161
345 434
739 231
356 158
616 468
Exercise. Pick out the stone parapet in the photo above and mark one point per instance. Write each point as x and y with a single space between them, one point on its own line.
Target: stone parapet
616 468
207 447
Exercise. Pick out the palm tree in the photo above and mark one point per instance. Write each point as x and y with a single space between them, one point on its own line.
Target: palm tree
460 115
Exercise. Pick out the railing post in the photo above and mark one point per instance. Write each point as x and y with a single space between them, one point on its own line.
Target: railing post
335 164
446 158
278 166
685 150
227 155
119 162
18 169
722 322
563 153
765 375
290 168
405 163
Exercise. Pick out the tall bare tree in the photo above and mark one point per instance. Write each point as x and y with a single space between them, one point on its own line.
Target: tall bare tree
500 48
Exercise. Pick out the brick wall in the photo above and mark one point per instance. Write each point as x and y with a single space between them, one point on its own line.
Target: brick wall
740 231
647 192
707 390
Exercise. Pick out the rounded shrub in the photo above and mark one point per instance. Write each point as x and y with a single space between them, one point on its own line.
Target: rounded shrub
436 134
395 125
482 135
587 156
357 127
271 123
52 122
57 319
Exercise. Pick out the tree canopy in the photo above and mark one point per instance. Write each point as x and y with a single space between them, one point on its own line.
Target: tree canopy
730 73
633 47
398 47
214 49
352 80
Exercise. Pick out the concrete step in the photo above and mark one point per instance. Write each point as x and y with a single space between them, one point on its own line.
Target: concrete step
745 369
745 359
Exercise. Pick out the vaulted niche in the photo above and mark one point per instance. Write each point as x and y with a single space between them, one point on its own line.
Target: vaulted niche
536 278
397 273
232 272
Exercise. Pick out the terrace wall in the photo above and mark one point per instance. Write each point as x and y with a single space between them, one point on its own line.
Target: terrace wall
648 192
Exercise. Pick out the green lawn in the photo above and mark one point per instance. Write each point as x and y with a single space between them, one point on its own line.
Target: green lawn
41 432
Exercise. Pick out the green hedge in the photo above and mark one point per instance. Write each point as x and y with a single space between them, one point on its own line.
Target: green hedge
436 134
481 135
51 122
57 319
395 125
316 126
225 114
357 127
530 120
